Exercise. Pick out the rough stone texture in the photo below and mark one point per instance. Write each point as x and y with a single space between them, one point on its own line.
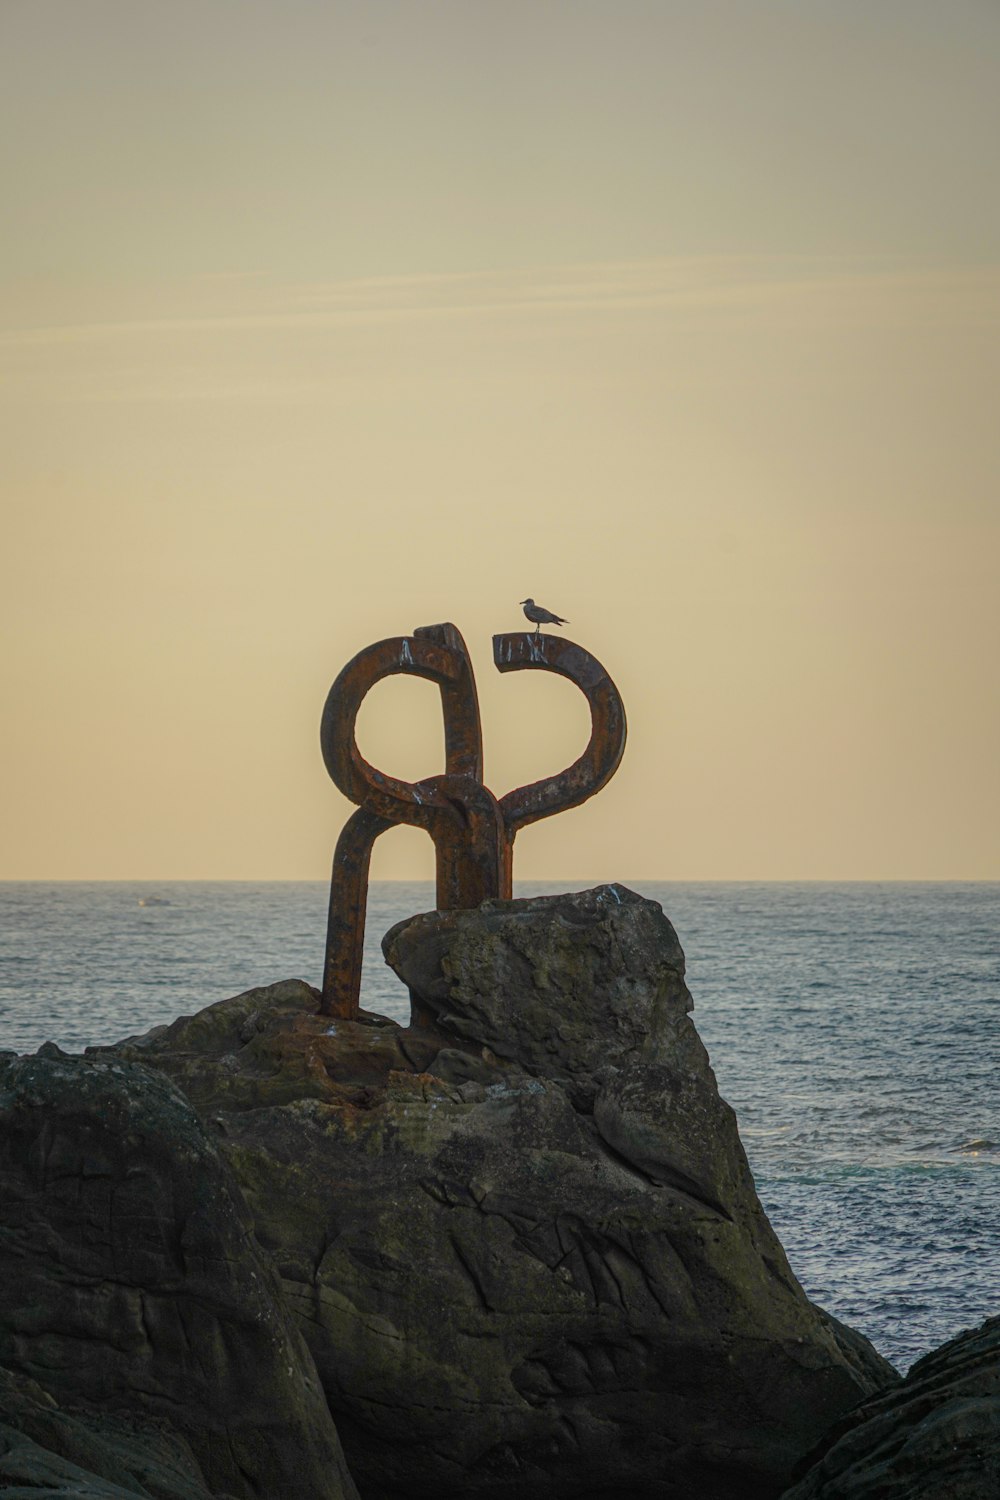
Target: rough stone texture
130 1282
520 1235
565 986
47 1450
934 1437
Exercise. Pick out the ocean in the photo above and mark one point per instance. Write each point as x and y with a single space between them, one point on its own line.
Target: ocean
854 1028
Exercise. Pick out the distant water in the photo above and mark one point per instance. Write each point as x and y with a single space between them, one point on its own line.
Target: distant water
854 1028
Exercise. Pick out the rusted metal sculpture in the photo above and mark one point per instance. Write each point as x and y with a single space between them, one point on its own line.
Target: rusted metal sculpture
473 831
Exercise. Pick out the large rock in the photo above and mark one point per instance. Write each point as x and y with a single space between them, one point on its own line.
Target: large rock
520 1235
934 1437
131 1283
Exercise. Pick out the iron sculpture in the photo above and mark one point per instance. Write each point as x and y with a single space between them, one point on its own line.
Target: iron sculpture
473 831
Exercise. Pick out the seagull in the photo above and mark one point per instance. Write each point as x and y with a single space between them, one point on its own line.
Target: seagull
540 616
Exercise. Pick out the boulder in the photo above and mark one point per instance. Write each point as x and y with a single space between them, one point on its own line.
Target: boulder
131 1286
520 1235
936 1436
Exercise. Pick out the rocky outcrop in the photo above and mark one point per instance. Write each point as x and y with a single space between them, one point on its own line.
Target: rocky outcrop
520 1235
131 1286
936 1436
48 1451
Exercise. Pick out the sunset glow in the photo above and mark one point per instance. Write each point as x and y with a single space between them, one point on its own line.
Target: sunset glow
322 321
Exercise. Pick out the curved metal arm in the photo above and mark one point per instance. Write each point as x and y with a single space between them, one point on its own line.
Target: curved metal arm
438 653
458 812
602 757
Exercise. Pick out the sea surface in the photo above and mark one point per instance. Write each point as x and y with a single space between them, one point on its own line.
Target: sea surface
855 1029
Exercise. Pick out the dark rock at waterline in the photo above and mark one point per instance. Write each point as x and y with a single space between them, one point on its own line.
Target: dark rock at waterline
520 1236
131 1285
935 1436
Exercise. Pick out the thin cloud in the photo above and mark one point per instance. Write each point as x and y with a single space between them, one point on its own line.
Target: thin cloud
721 282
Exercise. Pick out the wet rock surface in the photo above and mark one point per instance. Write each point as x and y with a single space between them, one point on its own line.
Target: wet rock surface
131 1286
520 1236
936 1436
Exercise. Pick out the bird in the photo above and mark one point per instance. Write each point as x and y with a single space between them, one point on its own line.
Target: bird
540 616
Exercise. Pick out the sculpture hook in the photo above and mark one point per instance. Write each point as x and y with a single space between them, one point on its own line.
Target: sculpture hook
473 832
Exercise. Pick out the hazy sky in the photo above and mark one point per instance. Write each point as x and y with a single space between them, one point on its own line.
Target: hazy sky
321 321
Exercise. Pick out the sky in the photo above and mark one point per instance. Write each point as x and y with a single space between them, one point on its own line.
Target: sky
323 321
